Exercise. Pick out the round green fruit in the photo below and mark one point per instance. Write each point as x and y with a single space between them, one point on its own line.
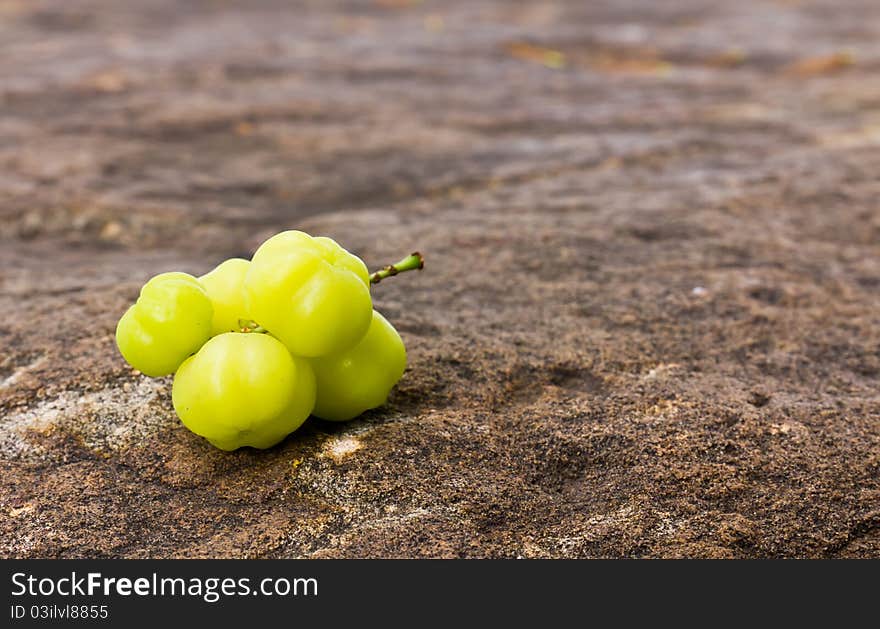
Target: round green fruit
170 321
243 390
310 293
360 378
225 287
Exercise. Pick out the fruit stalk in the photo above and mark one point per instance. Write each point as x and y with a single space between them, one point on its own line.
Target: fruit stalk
247 325
413 262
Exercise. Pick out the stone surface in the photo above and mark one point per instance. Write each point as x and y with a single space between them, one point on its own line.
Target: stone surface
649 324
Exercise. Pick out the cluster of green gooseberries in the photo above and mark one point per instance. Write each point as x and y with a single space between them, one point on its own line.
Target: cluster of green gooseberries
258 346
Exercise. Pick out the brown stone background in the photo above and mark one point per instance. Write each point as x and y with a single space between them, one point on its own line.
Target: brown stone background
649 325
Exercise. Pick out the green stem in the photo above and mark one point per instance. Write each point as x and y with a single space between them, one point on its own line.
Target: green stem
413 262
246 325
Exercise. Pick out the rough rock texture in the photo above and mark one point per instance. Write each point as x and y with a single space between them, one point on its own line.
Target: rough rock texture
650 322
